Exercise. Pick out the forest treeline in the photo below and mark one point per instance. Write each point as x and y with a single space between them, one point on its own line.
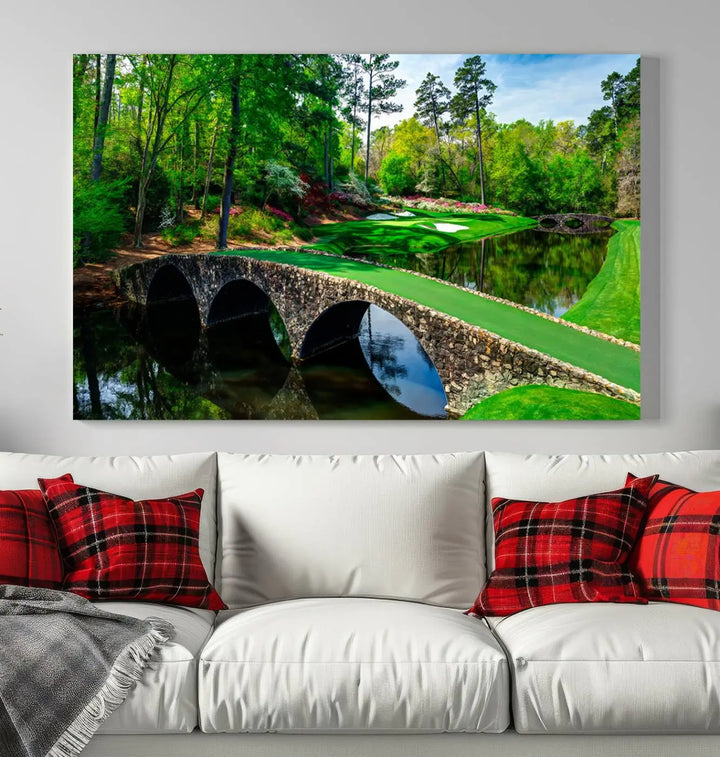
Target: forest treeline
157 134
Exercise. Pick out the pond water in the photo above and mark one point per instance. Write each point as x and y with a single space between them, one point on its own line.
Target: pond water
545 271
157 363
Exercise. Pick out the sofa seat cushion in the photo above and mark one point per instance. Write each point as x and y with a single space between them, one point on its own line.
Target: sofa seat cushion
165 700
352 664
583 668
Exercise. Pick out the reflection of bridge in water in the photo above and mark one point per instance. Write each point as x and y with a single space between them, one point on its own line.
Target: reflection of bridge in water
573 223
320 311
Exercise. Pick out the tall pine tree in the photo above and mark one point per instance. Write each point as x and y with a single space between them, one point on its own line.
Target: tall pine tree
474 94
382 86
433 101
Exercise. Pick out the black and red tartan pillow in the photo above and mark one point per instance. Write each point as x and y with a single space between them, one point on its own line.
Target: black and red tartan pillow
571 551
115 548
29 554
677 555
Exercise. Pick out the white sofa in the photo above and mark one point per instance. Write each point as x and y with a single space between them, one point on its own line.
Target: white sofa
346 579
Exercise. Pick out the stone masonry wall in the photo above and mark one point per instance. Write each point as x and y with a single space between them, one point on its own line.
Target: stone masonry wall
472 363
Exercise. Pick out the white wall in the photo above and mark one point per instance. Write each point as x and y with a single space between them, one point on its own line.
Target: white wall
681 175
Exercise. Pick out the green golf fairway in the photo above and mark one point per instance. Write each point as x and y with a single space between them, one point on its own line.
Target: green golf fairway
413 234
611 303
549 403
612 361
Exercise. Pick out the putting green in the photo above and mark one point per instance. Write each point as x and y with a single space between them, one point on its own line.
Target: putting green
550 403
612 361
424 232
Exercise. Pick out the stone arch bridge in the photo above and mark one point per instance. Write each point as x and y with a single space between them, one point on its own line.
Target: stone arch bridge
573 223
321 311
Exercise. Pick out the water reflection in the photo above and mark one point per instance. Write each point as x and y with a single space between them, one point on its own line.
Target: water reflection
545 271
400 364
358 375
156 364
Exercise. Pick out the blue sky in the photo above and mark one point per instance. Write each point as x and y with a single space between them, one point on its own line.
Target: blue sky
535 87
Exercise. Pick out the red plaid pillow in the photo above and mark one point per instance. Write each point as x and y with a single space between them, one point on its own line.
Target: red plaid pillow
29 554
115 548
677 555
571 551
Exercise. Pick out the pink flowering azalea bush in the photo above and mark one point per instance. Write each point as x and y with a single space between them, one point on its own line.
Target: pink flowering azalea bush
444 205
281 214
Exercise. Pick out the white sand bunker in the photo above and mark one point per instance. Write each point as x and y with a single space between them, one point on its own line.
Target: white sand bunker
449 227
389 216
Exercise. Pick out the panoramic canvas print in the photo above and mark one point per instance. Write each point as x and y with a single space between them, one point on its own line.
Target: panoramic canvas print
356 236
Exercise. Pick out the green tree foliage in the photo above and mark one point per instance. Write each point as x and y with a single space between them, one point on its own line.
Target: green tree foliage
167 135
396 175
98 218
612 137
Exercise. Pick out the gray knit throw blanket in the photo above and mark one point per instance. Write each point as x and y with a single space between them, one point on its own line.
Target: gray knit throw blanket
64 667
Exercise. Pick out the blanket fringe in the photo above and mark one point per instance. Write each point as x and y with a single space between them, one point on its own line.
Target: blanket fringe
125 673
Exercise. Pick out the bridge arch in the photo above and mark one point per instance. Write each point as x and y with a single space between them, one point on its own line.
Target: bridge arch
168 284
242 315
172 318
338 323
377 341
573 223
236 299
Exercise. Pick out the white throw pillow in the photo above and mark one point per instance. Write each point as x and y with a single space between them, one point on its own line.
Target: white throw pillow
393 526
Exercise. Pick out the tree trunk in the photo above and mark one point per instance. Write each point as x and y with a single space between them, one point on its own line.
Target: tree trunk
437 138
99 144
480 154
208 172
141 104
194 197
367 149
98 83
140 213
80 64
179 209
232 153
90 359
352 148
326 167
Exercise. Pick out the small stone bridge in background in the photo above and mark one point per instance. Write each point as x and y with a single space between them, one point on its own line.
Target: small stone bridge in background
573 223
321 311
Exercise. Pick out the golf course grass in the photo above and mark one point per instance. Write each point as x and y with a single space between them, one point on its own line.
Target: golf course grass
611 303
612 361
413 234
548 403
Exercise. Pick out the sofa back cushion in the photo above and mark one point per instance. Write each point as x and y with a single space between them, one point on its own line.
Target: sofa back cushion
557 477
402 527
137 478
